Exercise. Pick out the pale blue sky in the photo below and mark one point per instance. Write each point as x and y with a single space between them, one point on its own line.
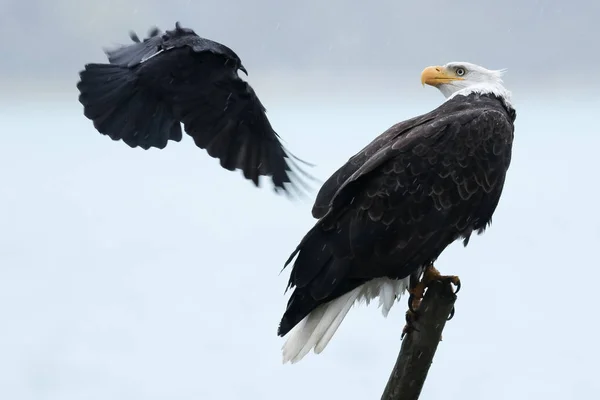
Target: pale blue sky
152 275
131 274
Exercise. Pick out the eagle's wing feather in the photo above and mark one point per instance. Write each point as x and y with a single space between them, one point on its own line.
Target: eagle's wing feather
332 185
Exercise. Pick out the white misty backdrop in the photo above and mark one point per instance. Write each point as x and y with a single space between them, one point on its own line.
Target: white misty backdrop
131 274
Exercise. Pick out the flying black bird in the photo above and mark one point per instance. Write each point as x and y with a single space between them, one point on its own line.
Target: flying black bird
153 86
389 212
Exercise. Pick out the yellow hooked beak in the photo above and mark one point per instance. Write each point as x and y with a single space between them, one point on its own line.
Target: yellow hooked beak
437 75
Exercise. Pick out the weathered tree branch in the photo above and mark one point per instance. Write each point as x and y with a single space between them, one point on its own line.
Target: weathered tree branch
419 346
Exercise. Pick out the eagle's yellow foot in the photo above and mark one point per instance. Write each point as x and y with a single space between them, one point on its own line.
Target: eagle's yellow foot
430 274
415 296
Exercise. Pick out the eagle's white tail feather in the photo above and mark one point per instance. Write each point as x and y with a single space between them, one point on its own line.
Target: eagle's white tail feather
315 326
335 324
387 295
318 327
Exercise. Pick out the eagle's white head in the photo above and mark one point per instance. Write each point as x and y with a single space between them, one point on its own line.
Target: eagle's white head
463 78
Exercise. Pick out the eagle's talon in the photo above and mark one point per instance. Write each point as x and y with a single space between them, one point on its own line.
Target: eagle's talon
451 314
413 303
453 279
456 282
405 331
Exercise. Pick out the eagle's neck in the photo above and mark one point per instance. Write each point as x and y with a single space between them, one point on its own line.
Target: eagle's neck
495 89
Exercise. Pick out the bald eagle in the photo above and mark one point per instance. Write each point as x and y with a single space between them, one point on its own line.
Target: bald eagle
387 214
150 87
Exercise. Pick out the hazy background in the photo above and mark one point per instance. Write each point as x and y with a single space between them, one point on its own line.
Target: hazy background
131 274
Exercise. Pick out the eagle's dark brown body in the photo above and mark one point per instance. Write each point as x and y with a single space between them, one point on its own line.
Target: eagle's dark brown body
399 202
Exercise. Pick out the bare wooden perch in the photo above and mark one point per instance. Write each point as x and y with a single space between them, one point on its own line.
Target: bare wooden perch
419 346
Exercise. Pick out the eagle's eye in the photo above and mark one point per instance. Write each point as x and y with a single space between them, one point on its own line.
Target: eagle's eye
460 71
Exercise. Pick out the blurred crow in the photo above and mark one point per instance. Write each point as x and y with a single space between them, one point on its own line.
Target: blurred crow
152 86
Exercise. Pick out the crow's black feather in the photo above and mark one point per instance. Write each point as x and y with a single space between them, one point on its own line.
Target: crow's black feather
152 86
